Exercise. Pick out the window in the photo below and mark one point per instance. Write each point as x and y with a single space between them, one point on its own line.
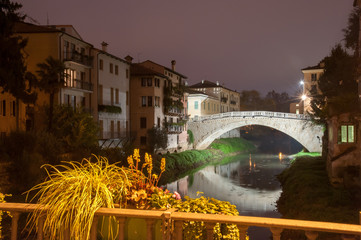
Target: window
150 101
66 49
70 78
127 73
3 108
111 68
313 76
82 76
144 101
204 105
12 108
149 82
101 64
158 122
116 96
196 105
144 82
157 101
111 96
118 129
112 129
143 122
209 108
116 70
347 134
157 82
143 140
100 94
126 97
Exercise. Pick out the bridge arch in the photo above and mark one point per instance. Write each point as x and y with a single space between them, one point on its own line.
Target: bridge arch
207 129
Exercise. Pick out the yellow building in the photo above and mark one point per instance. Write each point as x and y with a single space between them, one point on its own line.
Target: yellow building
310 84
220 99
61 42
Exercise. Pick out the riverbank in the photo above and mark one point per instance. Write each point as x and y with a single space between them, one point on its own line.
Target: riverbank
308 195
179 164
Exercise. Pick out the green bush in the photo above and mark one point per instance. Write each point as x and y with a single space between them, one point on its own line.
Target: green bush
190 136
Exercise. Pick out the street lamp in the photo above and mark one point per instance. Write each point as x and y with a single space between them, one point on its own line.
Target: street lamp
302 82
304 97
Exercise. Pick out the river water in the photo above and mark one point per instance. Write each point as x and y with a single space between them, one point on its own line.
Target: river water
248 181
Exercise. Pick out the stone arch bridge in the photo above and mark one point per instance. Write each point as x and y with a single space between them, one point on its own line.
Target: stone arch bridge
298 126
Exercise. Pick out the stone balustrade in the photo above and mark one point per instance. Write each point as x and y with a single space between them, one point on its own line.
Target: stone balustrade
311 228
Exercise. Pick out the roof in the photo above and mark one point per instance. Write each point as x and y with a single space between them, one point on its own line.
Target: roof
209 84
138 70
111 55
194 92
168 69
24 27
318 66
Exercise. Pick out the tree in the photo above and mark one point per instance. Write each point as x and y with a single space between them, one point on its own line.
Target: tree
14 77
157 138
51 80
250 100
338 86
278 102
75 128
351 32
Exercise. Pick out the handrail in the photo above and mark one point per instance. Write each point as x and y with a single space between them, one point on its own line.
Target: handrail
276 225
251 114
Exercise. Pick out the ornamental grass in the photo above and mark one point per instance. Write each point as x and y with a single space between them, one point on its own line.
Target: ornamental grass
73 193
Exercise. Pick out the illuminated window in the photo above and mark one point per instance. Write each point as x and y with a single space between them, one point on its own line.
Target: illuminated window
347 134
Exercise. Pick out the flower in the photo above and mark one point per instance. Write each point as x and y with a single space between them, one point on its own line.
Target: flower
176 196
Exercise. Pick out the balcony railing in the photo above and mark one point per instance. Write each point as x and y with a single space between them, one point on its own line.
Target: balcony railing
170 216
175 129
78 58
224 99
79 84
233 102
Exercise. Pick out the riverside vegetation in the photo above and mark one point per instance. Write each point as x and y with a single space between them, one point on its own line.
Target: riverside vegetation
308 195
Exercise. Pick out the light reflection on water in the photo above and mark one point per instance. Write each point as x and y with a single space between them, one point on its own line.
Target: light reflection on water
250 183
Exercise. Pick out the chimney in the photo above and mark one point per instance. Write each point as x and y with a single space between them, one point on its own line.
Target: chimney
202 81
217 83
129 59
173 64
104 46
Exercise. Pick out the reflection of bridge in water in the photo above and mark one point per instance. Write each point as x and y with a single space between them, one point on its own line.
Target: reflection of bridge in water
298 126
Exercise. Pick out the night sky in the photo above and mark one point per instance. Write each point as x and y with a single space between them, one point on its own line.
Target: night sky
244 44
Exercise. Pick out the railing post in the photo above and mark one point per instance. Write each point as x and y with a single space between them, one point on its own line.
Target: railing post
150 228
40 234
276 232
242 231
14 225
178 230
121 224
210 230
166 225
94 228
311 235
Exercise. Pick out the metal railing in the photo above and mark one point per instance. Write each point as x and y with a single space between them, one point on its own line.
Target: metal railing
78 58
251 114
79 84
170 216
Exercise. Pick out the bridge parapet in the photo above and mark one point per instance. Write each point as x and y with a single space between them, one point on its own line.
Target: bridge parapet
251 114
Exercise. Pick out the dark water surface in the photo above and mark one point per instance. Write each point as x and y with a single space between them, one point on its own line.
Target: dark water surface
249 182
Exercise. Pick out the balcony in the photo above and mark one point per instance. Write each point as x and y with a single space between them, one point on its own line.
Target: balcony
79 84
174 111
78 58
224 99
174 129
233 102
176 219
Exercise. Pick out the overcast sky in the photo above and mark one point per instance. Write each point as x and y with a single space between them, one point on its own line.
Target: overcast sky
244 44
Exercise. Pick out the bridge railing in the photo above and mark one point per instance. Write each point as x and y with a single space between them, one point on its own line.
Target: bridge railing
311 228
251 114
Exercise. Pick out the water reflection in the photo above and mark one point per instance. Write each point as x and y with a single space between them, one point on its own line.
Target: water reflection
249 183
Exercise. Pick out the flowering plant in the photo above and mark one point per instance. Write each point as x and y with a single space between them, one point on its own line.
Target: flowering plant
143 191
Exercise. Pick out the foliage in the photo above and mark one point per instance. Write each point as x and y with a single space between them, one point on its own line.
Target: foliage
190 136
51 78
252 101
109 109
157 138
308 195
75 128
231 145
351 32
79 189
2 200
338 86
14 77
277 102
197 230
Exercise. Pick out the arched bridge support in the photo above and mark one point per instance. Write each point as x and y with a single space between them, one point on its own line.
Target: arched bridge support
300 127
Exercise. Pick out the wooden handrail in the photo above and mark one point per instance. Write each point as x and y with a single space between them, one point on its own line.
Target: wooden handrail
276 225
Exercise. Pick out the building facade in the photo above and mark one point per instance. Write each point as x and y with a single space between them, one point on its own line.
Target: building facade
310 84
111 93
158 100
